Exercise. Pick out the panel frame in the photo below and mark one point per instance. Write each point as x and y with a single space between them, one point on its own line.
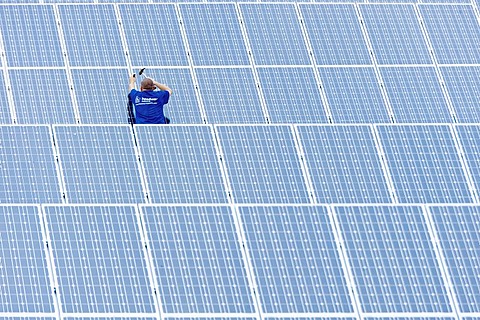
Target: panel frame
58 294
389 315
8 85
140 168
50 273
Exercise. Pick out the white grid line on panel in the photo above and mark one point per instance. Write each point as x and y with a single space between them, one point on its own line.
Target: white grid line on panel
183 32
303 164
441 260
342 254
123 37
316 73
466 169
27 315
56 156
475 10
381 83
435 61
412 65
46 248
222 164
247 259
58 165
6 78
152 271
383 161
51 264
141 169
63 46
149 262
246 40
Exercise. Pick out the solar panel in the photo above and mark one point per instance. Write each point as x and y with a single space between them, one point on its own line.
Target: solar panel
28 173
463 86
99 164
344 164
295 259
453 31
395 41
214 34
274 33
335 34
392 259
181 164
92 35
150 43
25 283
41 96
36 43
424 164
354 95
5 116
99 261
182 107
230 95
289 93
396 1
468 138
262 164
97 102
415 95
458 229
198 260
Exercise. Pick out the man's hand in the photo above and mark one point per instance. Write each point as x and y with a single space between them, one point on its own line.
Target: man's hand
162 87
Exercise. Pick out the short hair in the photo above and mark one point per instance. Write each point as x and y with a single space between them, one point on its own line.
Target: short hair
147 84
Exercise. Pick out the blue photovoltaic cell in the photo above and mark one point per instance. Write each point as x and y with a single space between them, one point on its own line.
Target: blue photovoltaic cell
181 164
390 2
92 35
182 107
415 95
99 164
458 230
99 261
109 318
463 86
454 32
97 102
25 283
424 164
214 34
197 258
395 34
150 42
289 93
27 165
275 35
5 116
230 95
469 138
30 36
392 259
262 164
344 164
295 259
335 34
408 318
354 95
41 96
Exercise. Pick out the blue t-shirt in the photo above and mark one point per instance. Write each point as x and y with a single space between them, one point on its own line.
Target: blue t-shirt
149 105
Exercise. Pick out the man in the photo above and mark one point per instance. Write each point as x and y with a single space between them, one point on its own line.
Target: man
149 102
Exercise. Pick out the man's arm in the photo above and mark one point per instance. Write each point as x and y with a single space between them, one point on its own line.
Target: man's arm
131 83
162 87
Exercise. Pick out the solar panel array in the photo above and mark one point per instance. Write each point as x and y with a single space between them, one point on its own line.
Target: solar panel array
322 162
242 62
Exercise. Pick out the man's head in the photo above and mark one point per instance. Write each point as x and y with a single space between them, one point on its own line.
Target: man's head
147 84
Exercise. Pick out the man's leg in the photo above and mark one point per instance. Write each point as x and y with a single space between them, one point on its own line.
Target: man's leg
167 121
